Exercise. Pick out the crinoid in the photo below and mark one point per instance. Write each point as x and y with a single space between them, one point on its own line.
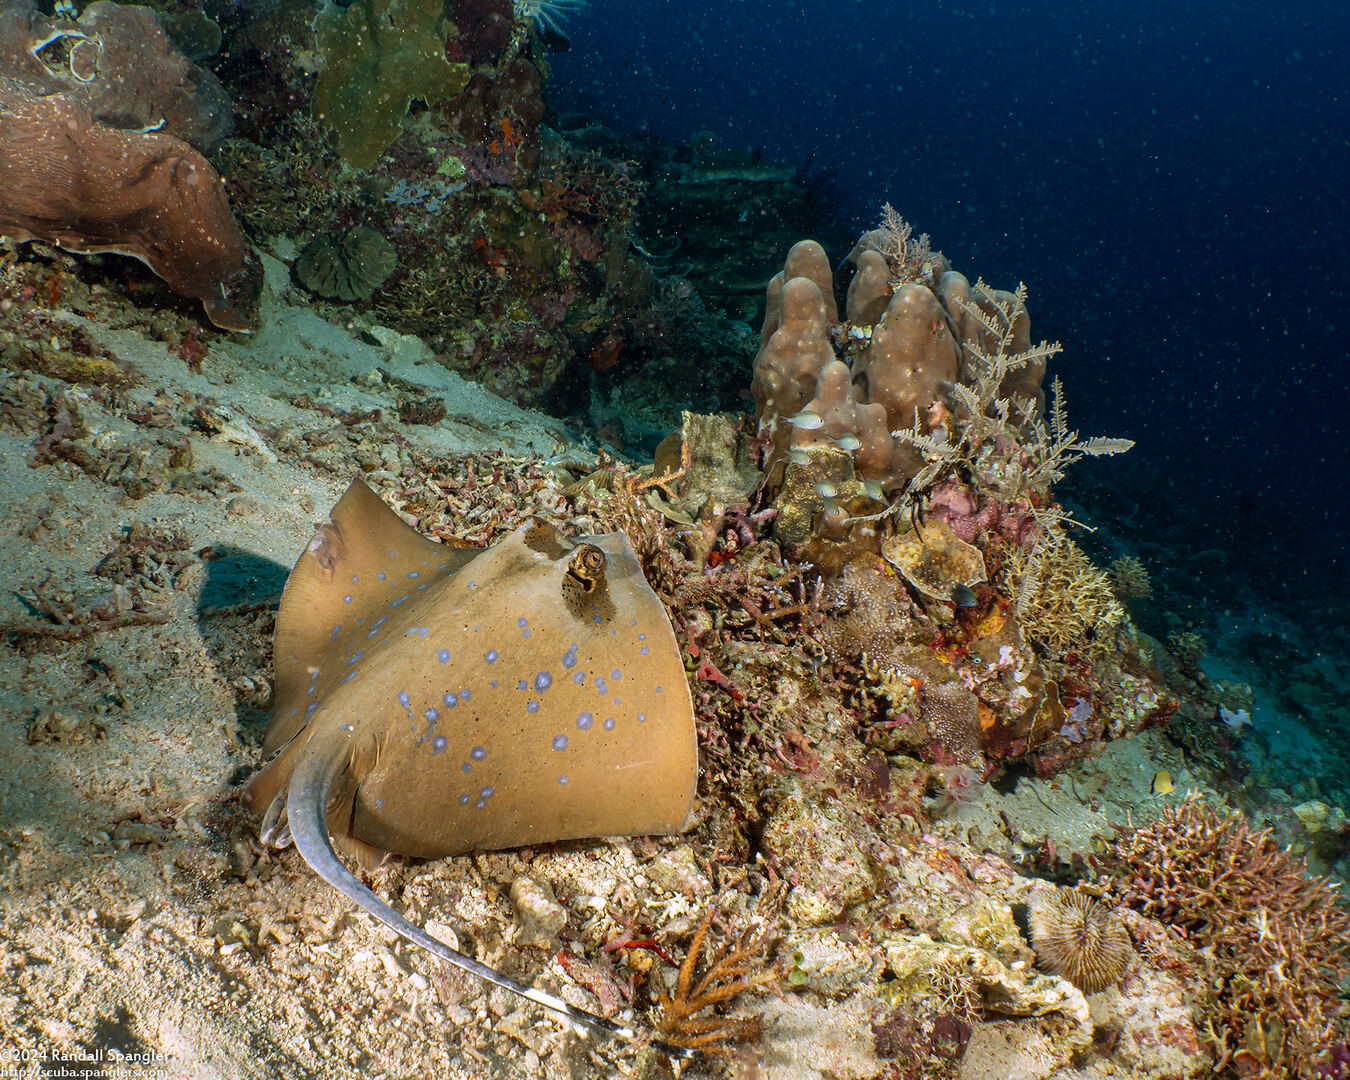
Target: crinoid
736 964
548 14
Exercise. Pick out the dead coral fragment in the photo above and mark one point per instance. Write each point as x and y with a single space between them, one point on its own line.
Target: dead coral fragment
1081 939
735 965
935 561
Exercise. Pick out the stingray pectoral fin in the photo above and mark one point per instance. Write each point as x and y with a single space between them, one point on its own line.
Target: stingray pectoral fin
307 811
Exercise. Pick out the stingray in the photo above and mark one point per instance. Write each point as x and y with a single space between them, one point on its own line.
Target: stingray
432 701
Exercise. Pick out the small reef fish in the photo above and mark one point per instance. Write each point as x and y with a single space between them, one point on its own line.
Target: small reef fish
848 441
1162 783
963 595
826 490
872 489
432 701
798 456
806 420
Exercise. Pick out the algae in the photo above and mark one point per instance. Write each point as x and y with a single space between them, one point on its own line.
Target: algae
376 56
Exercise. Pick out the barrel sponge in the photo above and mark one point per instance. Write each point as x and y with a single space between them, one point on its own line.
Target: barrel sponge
71 181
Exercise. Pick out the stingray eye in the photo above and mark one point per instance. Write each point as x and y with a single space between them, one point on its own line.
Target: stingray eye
587 567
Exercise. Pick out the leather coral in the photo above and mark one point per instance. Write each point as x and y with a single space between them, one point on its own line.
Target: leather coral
74 174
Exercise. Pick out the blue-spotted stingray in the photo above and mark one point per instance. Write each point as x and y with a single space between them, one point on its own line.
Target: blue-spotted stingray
433 700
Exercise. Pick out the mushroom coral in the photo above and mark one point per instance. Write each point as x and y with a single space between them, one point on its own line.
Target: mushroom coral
70 180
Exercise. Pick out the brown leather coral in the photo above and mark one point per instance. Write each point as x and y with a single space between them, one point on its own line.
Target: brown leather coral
71 181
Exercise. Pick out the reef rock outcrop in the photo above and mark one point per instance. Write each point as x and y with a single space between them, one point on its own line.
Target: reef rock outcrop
103 124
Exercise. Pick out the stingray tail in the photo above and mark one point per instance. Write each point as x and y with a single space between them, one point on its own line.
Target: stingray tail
306 815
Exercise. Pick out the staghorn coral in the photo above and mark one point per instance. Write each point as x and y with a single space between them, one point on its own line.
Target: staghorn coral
67 179
1063 602
1275 939
1078 937
1130 578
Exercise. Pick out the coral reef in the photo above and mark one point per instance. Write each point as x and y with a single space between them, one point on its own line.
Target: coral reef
1274 938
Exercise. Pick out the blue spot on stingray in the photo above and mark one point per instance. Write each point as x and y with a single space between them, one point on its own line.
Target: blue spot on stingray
493 684
309 690
450 700
347 599
632 622
521 684
601 686
355 578
393 554
314 674
579 678
336 630
473 582
372 633
490 656
403 698
420 587
559 742
347 678
595 618
609 723
443 655
355 657
309 710
642 637
438 744
464 695
562 780
480 804
658 689
395 603
642 716
569 660
442 566
464 800
522 622
643 651
297 708
380 620
379 804
585 720
478 753
432 716
466 767
543 681
486 793
380 575
414 573
616 674
532 707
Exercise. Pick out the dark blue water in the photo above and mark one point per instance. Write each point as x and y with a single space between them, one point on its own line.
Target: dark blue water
1170 180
